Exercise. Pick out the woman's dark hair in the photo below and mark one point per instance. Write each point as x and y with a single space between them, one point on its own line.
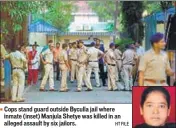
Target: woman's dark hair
149 90
156 37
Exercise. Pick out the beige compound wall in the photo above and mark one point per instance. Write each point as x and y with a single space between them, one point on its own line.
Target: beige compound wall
62 39
40 38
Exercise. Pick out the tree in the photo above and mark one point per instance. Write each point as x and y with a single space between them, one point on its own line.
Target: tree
107 10
59 14
152 6
14 19
17 11
164 6
104 9
131 19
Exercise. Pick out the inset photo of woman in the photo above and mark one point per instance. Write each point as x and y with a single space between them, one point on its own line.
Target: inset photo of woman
154 107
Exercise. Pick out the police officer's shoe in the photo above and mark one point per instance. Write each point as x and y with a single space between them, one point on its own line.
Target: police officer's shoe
52 90
21 100
42 90
78 90
115 90
14 100
88 89
66 90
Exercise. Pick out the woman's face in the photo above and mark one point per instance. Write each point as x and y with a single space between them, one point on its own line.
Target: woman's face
155 109
160 44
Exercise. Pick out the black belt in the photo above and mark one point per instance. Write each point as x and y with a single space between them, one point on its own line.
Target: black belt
129 64
94 61
17 68
112 64
73 59
50 63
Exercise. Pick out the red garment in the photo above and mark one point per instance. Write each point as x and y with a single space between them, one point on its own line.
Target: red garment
32 73
32 76
31 56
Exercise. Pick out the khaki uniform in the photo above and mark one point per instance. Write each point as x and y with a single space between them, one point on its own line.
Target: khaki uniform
154 67
93 54
135 66
18 61
111 64
128 58
48 55
3 53
118 57
82 63
73 59
62 58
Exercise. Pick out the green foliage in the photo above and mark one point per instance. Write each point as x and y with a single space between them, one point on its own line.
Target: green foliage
18 12
17 27
165 5
123 42
104 9
152 6
59 15
156 6
131 19
108 11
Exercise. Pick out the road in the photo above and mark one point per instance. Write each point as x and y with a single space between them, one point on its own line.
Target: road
98 95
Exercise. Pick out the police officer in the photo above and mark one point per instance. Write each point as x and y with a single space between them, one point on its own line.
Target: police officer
73 61
93 56
111 64
128 59
18 61
82 63
64 67
41 63
101 61
154 65
47 59
118 57
2 55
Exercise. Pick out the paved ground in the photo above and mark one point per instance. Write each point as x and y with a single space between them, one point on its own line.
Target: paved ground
98 95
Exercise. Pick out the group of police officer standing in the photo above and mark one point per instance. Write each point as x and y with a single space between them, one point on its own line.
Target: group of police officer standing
80 61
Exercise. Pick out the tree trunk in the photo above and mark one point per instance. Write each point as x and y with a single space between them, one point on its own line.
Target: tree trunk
25 31
11 40
115 20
